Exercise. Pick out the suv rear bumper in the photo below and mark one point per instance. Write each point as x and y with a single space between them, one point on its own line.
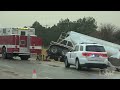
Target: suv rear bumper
94 65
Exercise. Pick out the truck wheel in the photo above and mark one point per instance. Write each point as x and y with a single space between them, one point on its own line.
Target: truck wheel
62 59
24 57
67 65
4 54
88 68
9 56
117 69
56 58
54 49
77 65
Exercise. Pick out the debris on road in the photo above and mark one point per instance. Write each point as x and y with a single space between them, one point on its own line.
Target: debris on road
114 63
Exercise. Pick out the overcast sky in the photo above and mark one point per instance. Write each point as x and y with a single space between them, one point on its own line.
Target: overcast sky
27 18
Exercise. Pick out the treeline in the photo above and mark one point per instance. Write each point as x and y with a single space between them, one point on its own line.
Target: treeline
86 25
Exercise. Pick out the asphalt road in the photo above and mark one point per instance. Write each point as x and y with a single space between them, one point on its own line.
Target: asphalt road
21 69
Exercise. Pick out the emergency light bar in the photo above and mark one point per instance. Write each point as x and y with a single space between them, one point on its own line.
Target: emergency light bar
23 28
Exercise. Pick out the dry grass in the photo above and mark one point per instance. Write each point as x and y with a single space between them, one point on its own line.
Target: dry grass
44 52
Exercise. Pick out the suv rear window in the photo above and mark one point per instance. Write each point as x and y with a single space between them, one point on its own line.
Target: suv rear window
95 48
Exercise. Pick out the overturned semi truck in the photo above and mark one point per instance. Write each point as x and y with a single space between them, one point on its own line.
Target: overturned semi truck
67 42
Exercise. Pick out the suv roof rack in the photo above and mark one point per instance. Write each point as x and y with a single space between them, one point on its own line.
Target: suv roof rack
87 43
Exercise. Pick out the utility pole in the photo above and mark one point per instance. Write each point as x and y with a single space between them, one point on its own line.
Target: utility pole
46 26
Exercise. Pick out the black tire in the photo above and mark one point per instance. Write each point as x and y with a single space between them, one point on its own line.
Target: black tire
117 69
9 56
24 57
4 54
54 49
56 58
88 68
62 59
102 68
67 65
77 65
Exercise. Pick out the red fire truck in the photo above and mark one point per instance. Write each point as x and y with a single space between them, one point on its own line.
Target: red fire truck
20 42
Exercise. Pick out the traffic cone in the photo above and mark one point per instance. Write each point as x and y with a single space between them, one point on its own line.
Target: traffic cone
34 76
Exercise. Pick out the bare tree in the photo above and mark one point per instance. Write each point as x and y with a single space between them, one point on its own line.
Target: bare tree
107 31
117 36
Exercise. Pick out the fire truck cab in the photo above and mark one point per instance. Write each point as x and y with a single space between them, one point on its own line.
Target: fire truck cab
20 42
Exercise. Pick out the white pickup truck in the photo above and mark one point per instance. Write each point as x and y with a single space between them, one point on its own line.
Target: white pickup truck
87 55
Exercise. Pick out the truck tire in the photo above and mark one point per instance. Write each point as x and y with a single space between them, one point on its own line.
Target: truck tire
117 69
24 57
9 56
56 58
77 65
54 49
4 54
67 65
61 60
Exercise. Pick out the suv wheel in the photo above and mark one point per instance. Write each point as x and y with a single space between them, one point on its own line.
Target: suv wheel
77 65
67 65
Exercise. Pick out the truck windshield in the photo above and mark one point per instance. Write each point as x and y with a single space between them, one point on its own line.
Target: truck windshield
95 48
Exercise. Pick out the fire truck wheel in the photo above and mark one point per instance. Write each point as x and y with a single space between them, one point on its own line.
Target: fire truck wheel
24 57
4 54
9 56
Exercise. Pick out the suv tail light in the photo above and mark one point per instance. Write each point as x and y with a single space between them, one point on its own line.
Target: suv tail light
104 55
86 54
89 54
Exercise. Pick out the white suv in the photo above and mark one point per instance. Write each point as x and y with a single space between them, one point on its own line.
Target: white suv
87 55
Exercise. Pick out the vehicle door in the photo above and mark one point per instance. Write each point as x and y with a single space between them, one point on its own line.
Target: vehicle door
73 54
24 42
69 53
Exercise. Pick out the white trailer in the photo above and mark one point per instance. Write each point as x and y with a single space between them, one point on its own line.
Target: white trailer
67 41
112 49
